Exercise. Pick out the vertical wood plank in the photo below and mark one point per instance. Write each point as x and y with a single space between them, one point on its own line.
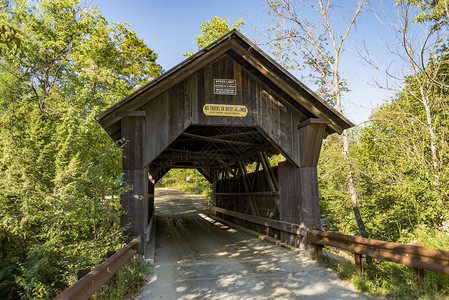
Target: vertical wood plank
419 276
194 90
319 253
237 75
135 201
290 201
358 260
310 205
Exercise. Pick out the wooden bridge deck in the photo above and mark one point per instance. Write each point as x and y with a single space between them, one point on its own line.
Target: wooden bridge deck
196 258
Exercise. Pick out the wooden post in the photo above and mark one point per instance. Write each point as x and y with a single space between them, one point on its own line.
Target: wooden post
298 187
290 206
214 192
310 205
358 260
419 273
83 272
319 252
311 134
419 276
135 201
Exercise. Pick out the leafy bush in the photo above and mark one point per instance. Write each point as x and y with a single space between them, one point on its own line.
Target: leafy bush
61 173
177 179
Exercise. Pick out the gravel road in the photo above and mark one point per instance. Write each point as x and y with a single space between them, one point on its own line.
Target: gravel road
199 258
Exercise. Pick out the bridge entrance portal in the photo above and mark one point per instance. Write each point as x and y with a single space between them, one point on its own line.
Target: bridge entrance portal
223 108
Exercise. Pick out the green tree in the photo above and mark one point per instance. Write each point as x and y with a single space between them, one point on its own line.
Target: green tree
212 30
400 157
61 173
298 41
436 11
401 190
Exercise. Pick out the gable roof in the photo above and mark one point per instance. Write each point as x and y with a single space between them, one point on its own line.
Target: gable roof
247 53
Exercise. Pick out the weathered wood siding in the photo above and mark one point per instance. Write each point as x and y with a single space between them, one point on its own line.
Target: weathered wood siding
266 109
290 204
168 115
265 205
171 112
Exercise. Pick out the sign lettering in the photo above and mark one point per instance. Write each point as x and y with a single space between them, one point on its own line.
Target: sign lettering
225 110
225 87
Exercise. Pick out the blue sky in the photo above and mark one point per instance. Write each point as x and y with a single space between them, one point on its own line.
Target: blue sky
169 27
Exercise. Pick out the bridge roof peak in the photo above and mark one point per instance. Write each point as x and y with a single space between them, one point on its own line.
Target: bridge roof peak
250 57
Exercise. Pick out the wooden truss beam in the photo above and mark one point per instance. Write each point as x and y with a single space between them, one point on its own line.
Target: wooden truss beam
252 204
214 140
279 225
236 134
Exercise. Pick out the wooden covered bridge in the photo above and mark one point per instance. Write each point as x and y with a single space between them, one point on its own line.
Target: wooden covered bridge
225 107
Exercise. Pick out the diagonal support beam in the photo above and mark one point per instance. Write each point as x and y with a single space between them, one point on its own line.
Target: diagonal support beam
252 204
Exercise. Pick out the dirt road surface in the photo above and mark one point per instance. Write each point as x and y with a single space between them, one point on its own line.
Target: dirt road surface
199 258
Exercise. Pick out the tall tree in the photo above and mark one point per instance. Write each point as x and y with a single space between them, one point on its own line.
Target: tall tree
416 120
212 30
423 53
60 172
318 44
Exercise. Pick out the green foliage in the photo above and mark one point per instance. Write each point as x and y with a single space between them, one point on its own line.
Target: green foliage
177 179
401 184
400 166
212 30
436 11
334 202
215 28
61 173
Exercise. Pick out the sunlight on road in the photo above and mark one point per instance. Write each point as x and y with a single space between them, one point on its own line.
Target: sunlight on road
197 257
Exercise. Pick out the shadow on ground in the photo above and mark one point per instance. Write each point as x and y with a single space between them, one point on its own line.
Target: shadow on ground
199 258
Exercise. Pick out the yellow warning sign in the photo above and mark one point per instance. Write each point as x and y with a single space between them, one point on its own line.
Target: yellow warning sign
225 110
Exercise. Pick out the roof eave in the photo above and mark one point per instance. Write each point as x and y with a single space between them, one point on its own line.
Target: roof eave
154 82
338 121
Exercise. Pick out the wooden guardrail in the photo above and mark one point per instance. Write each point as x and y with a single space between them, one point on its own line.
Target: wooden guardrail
420 258
275 224
90 283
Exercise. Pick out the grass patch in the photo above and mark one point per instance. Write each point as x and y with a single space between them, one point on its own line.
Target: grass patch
391 280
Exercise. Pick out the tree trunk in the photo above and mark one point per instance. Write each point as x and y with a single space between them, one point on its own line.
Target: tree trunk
351 189
349 177
433 148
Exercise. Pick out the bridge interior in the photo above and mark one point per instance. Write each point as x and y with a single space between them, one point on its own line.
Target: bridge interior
200 257
221 154
213 150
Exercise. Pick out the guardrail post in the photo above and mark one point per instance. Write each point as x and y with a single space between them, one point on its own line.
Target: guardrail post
358 260
319 252
417 272
83 272
419 276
